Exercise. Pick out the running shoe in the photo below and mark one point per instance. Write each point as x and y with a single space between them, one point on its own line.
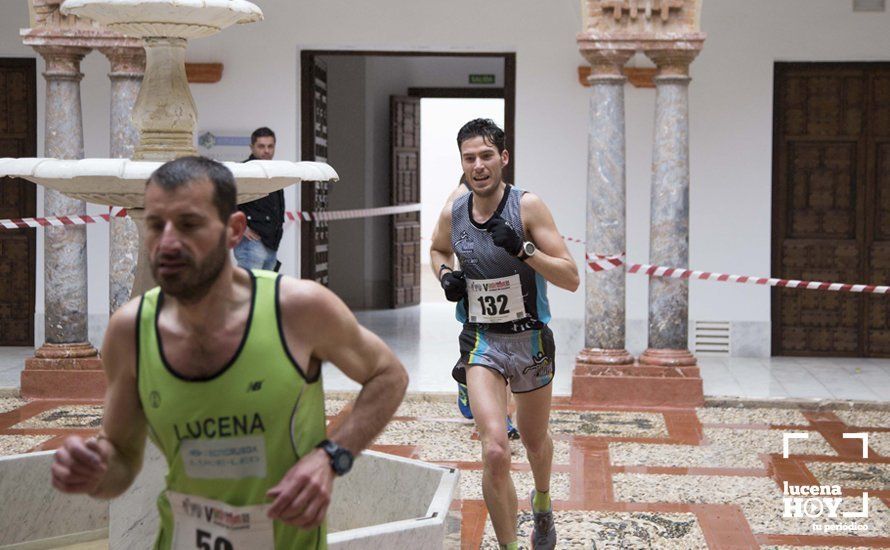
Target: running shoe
544 535
463 401
512 432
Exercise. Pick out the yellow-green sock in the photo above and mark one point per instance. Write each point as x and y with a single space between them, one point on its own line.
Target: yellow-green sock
541 502
512 546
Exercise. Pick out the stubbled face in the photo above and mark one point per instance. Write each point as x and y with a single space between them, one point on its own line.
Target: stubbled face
188 244
263 148
483 165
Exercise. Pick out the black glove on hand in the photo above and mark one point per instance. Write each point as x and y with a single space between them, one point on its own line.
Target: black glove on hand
503 235
454 285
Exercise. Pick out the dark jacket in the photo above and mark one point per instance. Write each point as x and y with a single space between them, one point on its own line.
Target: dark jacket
266 216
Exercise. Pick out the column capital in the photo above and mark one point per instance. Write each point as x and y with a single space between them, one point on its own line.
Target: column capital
605 62
62 61
126 61
673 62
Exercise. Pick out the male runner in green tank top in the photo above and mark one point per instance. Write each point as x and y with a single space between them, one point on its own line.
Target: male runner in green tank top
221 367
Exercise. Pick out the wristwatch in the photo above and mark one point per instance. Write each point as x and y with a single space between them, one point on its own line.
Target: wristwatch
341 459
527 250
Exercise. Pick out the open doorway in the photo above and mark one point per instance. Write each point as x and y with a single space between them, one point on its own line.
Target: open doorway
361 113
440 170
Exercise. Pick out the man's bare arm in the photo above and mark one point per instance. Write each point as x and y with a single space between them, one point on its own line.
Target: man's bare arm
333 334
106 466
318 326
552 259
441 252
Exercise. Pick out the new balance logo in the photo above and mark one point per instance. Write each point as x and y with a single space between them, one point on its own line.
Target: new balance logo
255 386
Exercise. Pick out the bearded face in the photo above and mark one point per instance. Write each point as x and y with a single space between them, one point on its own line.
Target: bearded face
183 277
188 243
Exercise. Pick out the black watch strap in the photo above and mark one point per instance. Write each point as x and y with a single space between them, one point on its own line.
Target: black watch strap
341 459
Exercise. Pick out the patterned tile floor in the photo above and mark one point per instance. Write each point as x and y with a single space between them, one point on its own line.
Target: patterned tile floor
624 479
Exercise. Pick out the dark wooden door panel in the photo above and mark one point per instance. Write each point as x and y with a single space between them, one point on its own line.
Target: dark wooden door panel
18 138
822 195
314 195
831 205
405 136
878 307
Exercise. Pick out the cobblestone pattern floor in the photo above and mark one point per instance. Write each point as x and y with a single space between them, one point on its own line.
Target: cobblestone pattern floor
653 478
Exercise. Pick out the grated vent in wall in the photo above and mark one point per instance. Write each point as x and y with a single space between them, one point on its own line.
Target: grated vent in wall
712 337
869 5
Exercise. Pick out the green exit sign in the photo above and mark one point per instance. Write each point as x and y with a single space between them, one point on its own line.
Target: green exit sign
481 79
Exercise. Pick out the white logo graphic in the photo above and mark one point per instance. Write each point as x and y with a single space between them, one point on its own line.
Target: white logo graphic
821 501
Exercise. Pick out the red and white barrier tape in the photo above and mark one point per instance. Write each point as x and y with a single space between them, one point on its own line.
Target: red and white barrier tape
675 273
320 216
60 221
331 215
597 263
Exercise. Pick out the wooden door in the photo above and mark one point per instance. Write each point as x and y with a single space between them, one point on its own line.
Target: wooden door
831 200
877 265
18 138
405 186
314 195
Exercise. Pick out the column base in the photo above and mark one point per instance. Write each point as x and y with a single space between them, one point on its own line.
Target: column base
636 385
667 357
64 371
600 356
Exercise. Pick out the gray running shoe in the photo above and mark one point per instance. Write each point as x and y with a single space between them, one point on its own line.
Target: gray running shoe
544 535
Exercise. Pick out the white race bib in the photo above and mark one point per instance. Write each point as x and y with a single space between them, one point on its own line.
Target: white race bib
206 524
495 300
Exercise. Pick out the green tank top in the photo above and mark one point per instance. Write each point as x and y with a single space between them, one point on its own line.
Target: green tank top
229 438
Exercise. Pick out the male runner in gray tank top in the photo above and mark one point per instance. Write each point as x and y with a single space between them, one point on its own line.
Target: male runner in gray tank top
508 248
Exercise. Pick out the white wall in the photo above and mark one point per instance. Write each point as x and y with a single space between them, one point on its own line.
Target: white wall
440 168
731 109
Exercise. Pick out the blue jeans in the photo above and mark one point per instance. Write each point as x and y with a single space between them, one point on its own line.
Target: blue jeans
255 255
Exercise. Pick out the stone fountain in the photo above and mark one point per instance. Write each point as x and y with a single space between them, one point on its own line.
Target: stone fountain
166 117
416 512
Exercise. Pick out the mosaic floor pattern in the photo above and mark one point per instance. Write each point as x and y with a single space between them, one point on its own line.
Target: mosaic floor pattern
710 477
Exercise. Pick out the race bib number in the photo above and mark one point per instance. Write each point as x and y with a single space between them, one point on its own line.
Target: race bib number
495 300
206 524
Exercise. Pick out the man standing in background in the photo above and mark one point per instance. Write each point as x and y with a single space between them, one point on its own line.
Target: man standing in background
265 217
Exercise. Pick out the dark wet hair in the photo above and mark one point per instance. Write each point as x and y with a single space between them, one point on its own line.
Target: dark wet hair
261 132
484 128
187 170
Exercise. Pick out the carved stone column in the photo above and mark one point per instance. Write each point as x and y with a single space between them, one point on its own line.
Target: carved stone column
669 214
604 336
669 31
127 70
66 345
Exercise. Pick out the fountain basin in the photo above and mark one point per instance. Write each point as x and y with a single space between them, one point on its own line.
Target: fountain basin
168 18
121 182
384 502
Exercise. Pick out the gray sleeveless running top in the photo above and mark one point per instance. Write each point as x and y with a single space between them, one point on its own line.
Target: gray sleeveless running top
480 258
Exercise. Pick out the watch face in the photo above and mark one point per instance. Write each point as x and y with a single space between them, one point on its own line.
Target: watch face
529 248
343 462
